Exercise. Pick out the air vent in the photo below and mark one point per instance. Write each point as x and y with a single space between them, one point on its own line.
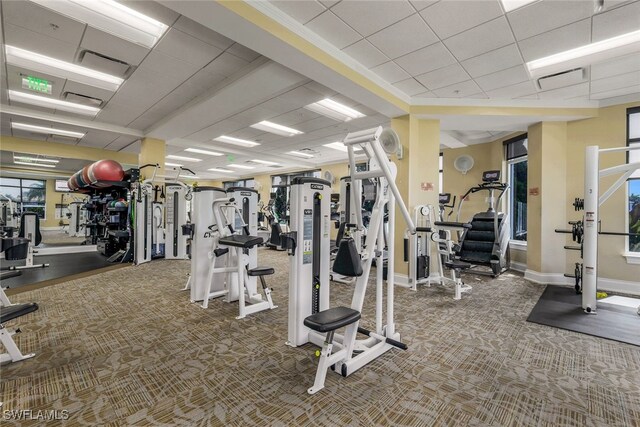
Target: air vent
62 139
97 61
565 78
82 99
276 166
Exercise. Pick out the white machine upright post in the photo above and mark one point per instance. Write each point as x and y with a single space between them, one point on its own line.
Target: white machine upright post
204 241
590 242
144 221
419 248
246 204
310 214
176 217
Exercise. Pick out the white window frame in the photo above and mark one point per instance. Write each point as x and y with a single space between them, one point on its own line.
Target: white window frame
515 243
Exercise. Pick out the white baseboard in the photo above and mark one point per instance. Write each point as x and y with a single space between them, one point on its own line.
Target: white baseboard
518 266
57 228
66 250
401 279
604 284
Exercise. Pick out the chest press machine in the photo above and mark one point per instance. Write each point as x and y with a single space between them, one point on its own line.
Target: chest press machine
224 250
310 318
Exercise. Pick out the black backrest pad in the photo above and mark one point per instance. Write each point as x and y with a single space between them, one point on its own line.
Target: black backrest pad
348 262
38 236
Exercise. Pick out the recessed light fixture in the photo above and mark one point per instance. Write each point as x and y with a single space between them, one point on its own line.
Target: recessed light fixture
57 104
300 154
264 162
236 166
510 5
276 128
34 159
67 70
334 110
199 151
589 54
39 165
220 170
111 17
236 141
186 159
175 165
341 147
46 130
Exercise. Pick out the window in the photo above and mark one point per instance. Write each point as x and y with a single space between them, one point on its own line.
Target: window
441 174
29 194
633 139
247 183
516 154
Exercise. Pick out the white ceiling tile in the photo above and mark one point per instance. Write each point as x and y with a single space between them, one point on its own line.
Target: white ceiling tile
96 138
542 16
621 65
410 86
203 33
160 63
119 114
120 142
37 42
315 124
442 77
616 21
295 117
481 39
490 62
426 59
566 92
448 18
391 72
458 90
243 52
331 28
42 20
617 92
558 40
113 47
279 105
514 91
321 89
301 96
480 95
187 48
367 17
132 148
366 54
403 37
616 82
421 4
329 3
427 94
301 11
153 9
226 65
508 77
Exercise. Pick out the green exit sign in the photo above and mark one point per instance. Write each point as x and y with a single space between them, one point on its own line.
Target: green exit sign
37 85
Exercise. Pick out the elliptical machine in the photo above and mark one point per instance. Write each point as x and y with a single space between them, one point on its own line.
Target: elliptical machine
486 243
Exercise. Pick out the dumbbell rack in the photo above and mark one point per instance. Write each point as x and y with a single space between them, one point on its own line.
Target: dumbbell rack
577 233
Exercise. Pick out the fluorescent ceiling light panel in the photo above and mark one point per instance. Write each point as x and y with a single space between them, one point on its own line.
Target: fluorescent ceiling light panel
34 159
510 5
199 151
341 147
236 141
57 104
334 110
46 130
175 165
186 159
240 166
275 128
39 165
300 154
66 70
111 17
264 162
220 170
592 53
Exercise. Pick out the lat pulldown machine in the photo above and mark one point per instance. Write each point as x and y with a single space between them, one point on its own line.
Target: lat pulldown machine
310 319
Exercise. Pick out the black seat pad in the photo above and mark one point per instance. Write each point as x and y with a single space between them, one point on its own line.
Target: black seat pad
457 265
240 241
18 310
452 224
348 262
261 271
332 319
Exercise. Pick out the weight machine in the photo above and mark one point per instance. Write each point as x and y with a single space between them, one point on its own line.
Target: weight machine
77 218
308 246
8 214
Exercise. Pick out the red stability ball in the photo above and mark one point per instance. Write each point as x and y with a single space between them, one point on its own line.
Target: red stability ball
85 174
106 170
71 184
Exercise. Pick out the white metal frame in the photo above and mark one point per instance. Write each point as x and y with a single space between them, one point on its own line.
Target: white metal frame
419 245
13 353
592 202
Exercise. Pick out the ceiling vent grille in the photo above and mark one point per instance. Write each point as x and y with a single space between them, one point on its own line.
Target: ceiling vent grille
562 79
106 64
82 99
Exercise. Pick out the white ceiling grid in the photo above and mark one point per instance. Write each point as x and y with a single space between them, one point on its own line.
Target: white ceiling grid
414 44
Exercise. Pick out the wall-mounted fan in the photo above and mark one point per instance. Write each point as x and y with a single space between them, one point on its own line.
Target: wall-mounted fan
328 176
390 142
463 163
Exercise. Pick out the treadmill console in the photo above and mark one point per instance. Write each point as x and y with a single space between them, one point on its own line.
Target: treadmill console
491 176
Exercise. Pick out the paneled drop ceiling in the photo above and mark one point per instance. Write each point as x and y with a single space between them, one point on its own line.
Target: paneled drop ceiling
472 48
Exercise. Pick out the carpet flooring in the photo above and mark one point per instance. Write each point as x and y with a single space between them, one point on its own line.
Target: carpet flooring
126 348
